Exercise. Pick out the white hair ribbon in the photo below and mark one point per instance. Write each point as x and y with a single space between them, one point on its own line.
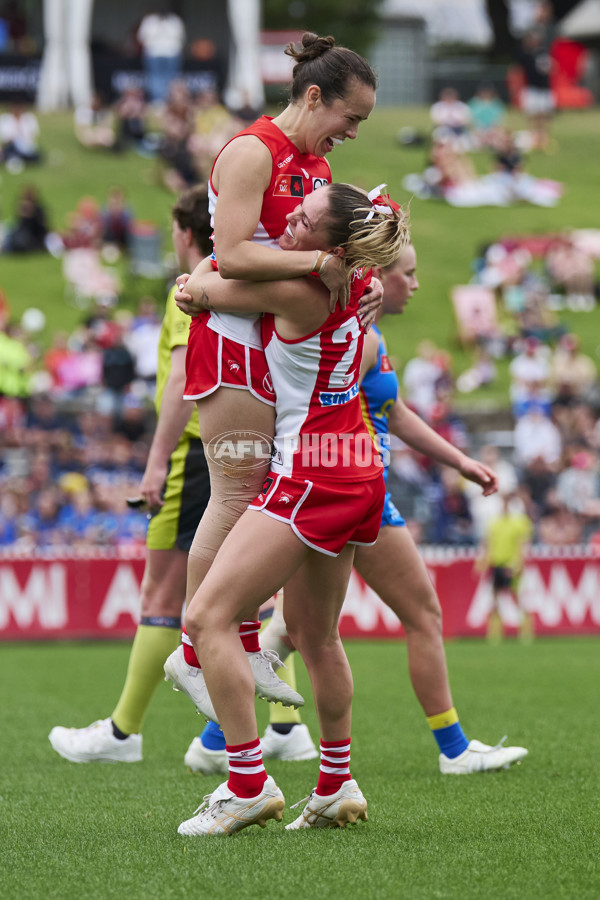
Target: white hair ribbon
374 196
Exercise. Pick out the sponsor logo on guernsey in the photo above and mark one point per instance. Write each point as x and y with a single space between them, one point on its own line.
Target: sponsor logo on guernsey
267 483
319 182
284 162
385 364
337 398
288 186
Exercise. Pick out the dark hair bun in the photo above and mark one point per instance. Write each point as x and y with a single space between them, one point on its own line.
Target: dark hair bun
312 47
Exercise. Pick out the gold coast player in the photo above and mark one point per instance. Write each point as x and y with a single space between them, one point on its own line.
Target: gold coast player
393 567
258 179
323 495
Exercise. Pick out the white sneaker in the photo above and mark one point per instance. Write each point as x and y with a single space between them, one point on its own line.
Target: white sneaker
223 813
334 811
208 762
190 681
267 684
96 743
297 744
480 757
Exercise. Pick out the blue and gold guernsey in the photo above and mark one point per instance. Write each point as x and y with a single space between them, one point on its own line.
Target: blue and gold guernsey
378 393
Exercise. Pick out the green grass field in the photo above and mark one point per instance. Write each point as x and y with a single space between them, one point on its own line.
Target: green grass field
446 238
105 831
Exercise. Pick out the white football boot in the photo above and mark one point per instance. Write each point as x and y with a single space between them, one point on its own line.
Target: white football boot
223 813
96 743
337 810
190 681
268 685
480 757
199 758
294 746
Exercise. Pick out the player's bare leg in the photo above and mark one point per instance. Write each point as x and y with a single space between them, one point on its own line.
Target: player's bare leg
232 590
235 482
393 568
396 572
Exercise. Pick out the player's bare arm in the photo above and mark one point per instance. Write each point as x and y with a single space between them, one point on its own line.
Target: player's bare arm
410 428
247 164
300 304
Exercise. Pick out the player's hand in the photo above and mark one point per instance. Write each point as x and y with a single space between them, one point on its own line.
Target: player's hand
369 303
480 474
185 301
334 276
152 484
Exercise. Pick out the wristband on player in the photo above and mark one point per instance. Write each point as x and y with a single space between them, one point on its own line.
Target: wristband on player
321 261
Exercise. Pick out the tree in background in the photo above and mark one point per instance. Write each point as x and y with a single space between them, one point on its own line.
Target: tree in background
353 23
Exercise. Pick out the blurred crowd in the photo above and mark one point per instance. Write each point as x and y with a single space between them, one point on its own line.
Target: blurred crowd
548 461
545 76
460 129
518 287
76 419
76 423
183 134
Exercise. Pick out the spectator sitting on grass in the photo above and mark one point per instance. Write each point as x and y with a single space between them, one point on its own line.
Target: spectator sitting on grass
116 218
530 374
452 119
95 124
177 127
19 132
131 113
214 125
84 227
572 271
420 377
572 374
487 115
28 235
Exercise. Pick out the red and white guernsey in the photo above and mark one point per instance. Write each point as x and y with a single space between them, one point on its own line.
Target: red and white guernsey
293 176
320 432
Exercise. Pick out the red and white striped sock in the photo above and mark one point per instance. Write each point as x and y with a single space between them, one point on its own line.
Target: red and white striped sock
189 654
247 773
334 769
249 635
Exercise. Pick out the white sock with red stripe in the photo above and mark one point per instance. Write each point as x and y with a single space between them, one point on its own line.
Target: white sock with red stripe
334 769
247 773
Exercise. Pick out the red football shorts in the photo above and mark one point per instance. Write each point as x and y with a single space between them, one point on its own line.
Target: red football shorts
326 516
213 360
